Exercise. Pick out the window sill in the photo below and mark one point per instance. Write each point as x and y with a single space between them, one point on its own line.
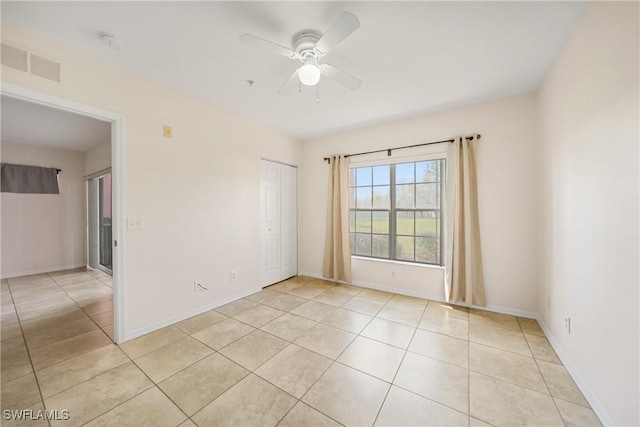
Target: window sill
393 261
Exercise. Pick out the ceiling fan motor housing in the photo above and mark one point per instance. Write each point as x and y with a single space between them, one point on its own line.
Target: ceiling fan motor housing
304 43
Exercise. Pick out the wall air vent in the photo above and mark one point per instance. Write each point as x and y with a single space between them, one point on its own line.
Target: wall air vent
29 62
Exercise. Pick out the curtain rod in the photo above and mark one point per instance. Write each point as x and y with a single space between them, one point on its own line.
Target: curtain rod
388 150
57 170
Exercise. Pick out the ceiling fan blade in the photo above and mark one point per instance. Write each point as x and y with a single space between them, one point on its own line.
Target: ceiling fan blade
291 84
346 24
340 76
251 40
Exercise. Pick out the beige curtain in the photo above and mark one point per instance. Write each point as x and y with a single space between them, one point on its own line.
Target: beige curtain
464 281
337 249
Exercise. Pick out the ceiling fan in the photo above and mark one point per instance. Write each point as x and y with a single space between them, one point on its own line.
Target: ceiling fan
309 47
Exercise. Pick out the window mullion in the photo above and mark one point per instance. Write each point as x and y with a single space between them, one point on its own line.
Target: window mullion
392 212
441 171
415 204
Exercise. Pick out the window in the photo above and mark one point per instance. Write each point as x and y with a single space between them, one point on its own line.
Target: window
396 210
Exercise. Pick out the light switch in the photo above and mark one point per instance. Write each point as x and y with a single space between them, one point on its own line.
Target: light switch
134 223
168 131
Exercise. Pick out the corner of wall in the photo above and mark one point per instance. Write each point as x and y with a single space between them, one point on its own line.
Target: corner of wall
588 207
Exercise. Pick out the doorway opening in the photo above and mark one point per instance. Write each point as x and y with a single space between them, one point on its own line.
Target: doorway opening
112 257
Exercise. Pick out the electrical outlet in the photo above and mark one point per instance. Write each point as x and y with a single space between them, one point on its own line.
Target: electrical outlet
197 287
567 324
232 275
393 274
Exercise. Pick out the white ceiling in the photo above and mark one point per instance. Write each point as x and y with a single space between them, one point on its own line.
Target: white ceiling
414 57
34 124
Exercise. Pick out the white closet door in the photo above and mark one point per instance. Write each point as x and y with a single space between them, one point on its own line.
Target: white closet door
270 216
278 212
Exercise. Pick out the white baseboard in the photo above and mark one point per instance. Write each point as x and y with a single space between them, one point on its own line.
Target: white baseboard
41 271
433 297
135 333
316 276
595 404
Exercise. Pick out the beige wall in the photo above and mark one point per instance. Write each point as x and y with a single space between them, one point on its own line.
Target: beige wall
198 193
43 232
588 206
507 187
98 158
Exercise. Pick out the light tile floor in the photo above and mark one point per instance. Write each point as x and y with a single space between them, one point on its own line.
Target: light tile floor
301 352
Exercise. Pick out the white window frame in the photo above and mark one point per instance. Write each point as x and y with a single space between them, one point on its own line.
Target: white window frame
354 164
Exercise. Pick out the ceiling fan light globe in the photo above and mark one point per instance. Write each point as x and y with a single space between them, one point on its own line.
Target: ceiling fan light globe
309 74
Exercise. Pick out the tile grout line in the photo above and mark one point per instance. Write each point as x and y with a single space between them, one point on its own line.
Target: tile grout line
298 400
119 404
24 340
82 308
156 385
546 384
400 365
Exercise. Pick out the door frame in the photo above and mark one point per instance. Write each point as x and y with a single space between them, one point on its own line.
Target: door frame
88 182
262 254
118 188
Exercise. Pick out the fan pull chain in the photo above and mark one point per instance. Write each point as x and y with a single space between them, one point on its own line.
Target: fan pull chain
318 93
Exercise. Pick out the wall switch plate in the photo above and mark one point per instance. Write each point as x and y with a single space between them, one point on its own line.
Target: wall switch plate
134 223
167 131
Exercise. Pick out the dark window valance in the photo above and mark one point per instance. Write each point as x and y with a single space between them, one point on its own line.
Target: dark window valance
29 179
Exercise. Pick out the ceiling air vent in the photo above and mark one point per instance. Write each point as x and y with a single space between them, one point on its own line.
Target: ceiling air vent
13 57
29 62
45 68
